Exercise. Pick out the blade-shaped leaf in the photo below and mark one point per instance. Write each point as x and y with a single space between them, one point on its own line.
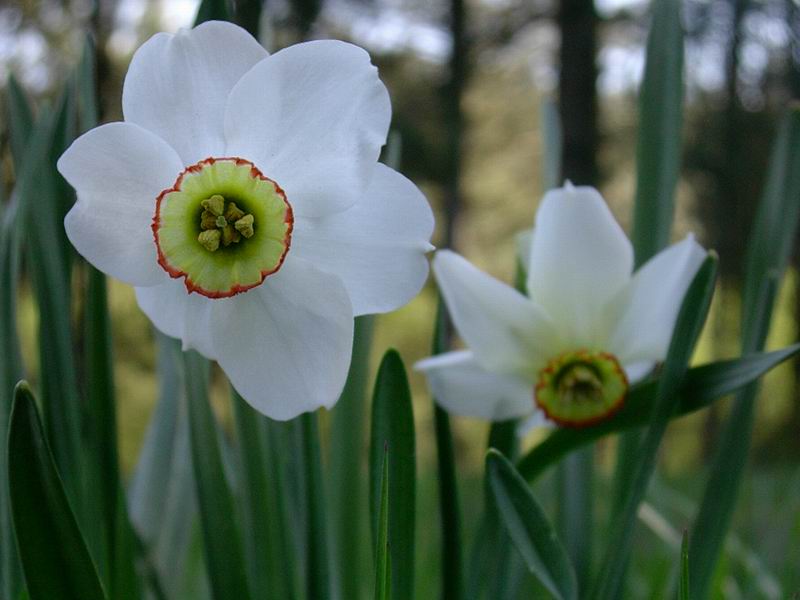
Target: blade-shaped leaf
774 233
683 590
317 567
54 556
702 386
658 158
689 324
393 428
212 10
383 573
20 121
529 528
449 509
218 518
346 482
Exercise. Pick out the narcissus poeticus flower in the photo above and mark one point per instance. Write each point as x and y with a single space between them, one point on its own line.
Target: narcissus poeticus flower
243 198
586 330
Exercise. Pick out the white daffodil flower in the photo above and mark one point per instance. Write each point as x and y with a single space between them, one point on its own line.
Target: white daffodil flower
586 330
243 198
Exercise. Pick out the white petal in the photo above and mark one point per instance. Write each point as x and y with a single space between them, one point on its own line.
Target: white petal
463 387
649 305
580 259
179 314
118 171
637 371
506 331
286 344
313 117
177 85
376 247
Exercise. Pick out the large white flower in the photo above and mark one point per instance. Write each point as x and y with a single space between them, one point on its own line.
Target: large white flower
243 199
585 330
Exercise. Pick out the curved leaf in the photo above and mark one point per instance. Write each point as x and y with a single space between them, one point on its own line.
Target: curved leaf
54 556
529 528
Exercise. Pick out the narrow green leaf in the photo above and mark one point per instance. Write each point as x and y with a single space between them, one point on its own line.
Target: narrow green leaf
575 509
42 222
218 518
317 564
491 558
552 142
346 481
88 112
54 556
20 121
261 543
393 427
383 570
449 509
658 158
11 371
212 10
683 590
658 153
531 532
702 386
769 248
688 326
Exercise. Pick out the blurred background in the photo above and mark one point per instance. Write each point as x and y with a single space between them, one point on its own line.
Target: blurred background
474 86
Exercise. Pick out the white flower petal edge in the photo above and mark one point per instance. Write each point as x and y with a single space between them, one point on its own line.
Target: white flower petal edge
285 345
461 386
313 117
580 259
377 246
177 85
118 170
506 331
649 305
179 315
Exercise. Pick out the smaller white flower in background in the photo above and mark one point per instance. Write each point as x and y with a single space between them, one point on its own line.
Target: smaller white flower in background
243 200
587 329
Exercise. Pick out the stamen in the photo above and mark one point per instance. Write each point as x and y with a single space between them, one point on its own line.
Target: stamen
215 205
209 239
245 226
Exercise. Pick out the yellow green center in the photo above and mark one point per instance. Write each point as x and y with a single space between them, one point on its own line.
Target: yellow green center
223 227
581 387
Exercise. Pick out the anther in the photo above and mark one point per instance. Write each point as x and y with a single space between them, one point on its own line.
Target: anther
245 226
209 239
215 204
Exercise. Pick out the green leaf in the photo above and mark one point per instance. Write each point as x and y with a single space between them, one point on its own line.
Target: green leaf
383 569
212 10
683 590
317 561
86 86
42 221
531 532
20 122
575 509
345 482
689 324
491 561
11 371
218 518
393 428
54 556
769 248
449 509
658 161
658 154
702 386
262 548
